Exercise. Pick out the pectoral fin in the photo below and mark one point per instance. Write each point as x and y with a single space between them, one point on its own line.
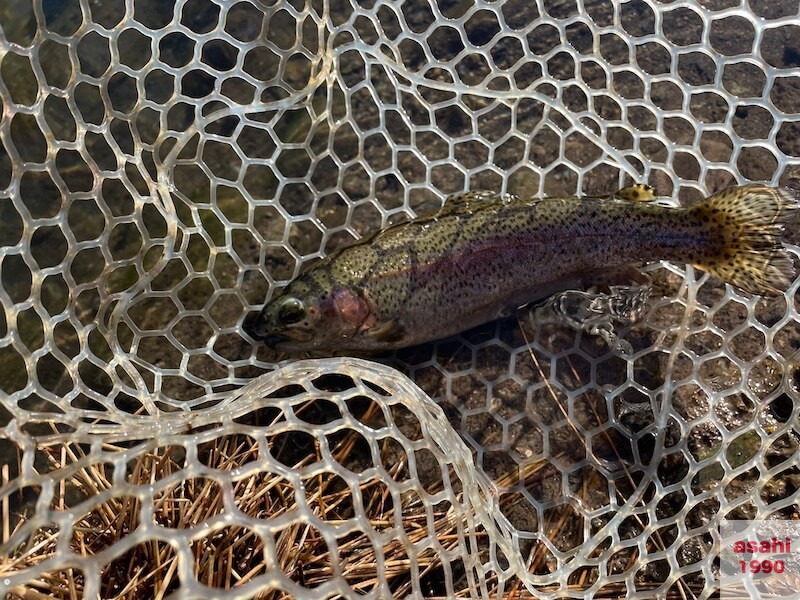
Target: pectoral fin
389 332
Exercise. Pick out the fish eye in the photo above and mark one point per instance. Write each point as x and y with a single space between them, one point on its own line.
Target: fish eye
291 311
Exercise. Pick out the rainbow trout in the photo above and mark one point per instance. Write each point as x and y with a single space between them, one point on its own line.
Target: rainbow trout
484 255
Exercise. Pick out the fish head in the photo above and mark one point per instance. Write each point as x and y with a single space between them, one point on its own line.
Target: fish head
306 318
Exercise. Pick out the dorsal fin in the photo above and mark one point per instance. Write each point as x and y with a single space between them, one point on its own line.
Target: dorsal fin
465 202
460 203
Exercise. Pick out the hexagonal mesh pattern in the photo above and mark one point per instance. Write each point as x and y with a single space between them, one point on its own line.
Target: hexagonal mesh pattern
166 167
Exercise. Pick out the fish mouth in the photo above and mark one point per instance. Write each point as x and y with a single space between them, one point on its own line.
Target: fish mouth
251 327
287 340
273 339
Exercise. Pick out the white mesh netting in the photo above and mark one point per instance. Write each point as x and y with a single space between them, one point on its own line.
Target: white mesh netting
166 167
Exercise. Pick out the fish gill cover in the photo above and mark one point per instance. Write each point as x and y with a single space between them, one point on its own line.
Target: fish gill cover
166 167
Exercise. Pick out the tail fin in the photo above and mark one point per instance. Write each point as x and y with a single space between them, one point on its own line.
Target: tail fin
751 219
